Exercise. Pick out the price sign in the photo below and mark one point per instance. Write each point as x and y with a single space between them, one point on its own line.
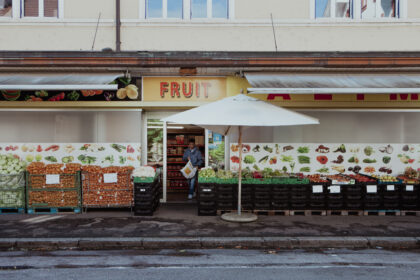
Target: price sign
390 188
335 189
372 189
409 188
53 179
110 178
317 189
206 190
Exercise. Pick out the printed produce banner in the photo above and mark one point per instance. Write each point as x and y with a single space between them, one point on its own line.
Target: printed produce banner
103 154
328 158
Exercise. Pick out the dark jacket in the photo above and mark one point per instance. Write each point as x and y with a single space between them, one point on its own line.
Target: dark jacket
195 156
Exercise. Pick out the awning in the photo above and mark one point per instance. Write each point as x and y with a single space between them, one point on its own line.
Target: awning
303 83
61 81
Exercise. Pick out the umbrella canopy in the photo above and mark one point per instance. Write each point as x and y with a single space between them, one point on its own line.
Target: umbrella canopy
227 115
233 114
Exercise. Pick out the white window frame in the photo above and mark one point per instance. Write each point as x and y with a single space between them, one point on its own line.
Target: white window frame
20 9
357 11
332 9
186 14
378 9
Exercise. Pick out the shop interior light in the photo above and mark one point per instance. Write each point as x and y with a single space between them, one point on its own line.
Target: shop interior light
169 127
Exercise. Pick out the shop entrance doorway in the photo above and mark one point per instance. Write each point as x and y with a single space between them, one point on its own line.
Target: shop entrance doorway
178 138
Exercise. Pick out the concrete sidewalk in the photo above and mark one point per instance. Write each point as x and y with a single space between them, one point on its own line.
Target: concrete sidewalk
179 225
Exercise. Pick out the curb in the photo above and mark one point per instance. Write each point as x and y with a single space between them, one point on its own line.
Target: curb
316 242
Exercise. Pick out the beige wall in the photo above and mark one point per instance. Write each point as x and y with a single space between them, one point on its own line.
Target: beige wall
251 30
281 9
89 9
413 9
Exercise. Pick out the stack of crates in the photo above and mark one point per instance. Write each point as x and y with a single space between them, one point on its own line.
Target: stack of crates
247 197
410 196
225 196
299 196
318 196
280 197
372 198
146 196
12 193
335 197
262 196
354 195
207 199
390 196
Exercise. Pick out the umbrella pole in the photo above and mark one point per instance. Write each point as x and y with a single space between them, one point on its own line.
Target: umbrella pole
240 171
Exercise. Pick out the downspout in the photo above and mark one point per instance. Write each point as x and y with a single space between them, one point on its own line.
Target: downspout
118 26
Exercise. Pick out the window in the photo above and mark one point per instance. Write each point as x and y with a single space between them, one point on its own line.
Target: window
379 8
164 8
40 8
5 8
333 8
209 9
358 9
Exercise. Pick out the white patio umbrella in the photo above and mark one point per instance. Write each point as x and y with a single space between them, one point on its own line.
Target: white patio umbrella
232 115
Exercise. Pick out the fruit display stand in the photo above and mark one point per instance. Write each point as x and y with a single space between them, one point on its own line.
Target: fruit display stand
109 187
12 193
52 190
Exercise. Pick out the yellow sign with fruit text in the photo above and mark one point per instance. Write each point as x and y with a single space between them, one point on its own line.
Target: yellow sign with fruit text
185 89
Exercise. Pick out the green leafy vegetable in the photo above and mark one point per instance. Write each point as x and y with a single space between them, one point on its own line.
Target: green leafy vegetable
268 149
386 159
305 169
286 158
303 150
368 160
118 148
249 159
304 159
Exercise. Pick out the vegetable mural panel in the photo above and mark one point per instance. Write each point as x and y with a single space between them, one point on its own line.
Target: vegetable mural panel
327 158
14 157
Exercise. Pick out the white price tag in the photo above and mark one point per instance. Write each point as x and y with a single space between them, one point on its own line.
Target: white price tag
372 189
390 188
317 189
409 188
110 178
206 190
53 179
335 189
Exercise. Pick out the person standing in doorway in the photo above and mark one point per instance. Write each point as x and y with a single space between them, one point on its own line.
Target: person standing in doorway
193 154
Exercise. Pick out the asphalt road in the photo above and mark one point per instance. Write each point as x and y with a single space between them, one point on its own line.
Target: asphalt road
210 264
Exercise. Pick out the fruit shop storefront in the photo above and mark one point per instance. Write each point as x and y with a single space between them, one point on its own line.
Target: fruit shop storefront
364 154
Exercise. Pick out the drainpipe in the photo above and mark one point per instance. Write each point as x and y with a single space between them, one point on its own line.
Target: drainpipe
118 26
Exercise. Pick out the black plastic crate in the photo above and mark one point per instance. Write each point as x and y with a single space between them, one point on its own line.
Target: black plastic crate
145 197
280 196
144 205
354 189
300 188
299 197
391 204
335 204
262 188
317 196
266 205
410 205
354 204
247 206
225 197
207 204
206 188
262 196
298 205
145 187
373 197
413 196
140 212
280 205
244 198
280 188
222 205
228 188
335 196
317 205
372 205
206 212
245 189
353 196
207 196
